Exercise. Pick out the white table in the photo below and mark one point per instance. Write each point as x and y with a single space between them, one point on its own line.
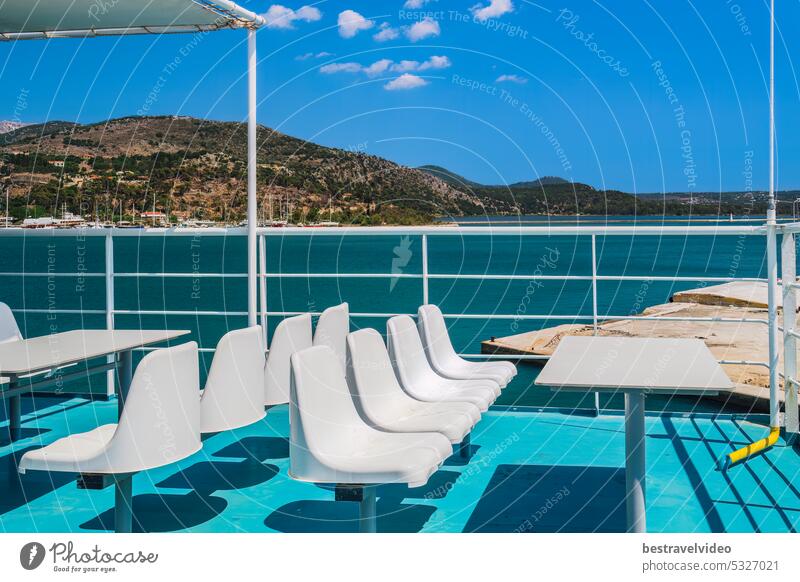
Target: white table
635 367
21 362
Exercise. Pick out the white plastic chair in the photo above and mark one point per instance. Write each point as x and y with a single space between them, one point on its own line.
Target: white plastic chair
292 335
234 392
417 377
385 405
332 329
159 425
331 443
9 330
444 359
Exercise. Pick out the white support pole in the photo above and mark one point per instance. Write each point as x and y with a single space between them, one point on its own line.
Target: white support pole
789 272
425 294
772 258
252 201
111 374
594 309
262 284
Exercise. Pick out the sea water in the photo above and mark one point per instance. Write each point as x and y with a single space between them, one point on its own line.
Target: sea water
534 259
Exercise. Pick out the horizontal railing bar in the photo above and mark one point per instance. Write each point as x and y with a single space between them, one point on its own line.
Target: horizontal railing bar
152 349
52 275
177 312
387 315
745 363
447 276
183 275
506 356
63 311
793 333
341 276
445 230
537 317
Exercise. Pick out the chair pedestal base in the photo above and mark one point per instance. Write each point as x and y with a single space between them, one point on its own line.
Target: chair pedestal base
464 447
367 504
123 504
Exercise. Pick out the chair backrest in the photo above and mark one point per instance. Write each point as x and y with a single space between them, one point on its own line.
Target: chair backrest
292 335
9 330
371 377
407 352
332 329
160 421
234 390
322 416
434 336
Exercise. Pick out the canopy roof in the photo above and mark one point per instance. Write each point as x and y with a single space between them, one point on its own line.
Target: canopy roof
30 19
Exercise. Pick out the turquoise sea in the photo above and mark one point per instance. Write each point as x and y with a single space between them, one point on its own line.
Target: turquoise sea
531 257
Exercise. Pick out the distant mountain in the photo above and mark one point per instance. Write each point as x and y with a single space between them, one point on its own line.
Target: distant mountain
458 181
198 166
545 181
193 167
451 178
6 126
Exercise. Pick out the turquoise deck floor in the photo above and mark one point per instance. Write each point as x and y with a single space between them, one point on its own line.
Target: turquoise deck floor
528 471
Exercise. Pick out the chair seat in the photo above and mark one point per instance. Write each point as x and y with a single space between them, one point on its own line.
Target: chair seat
76 453
446 418
378 458
480 393
479 371
506 370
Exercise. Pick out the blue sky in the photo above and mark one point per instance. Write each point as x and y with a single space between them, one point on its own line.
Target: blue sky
643 96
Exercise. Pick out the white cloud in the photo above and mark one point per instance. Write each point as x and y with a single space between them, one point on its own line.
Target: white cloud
414 4
378 67
495 9
386 33
279 16
405 82
384 65
351 23
306 56
341 68
423 29
434 62
511 79
405 66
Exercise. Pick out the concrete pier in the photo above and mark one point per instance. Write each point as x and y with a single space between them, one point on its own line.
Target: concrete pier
727 341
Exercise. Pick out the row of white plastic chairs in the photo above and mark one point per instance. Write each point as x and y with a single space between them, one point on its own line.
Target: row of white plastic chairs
361 413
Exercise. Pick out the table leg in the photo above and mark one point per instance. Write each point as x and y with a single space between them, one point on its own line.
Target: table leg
14 416
123 504
124 377
367 511
635 462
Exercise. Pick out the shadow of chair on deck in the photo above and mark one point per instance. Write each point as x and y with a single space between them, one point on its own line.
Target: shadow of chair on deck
206 477
256 448
19 490
317 516
544 498
164 513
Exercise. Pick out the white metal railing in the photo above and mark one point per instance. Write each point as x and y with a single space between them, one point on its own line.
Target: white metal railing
425 234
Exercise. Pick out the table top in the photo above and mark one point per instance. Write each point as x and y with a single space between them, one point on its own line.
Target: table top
625 364
59 349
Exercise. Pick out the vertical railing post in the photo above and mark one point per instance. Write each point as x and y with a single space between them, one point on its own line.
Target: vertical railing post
594 309
425 295
109 273
789 270
262 284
